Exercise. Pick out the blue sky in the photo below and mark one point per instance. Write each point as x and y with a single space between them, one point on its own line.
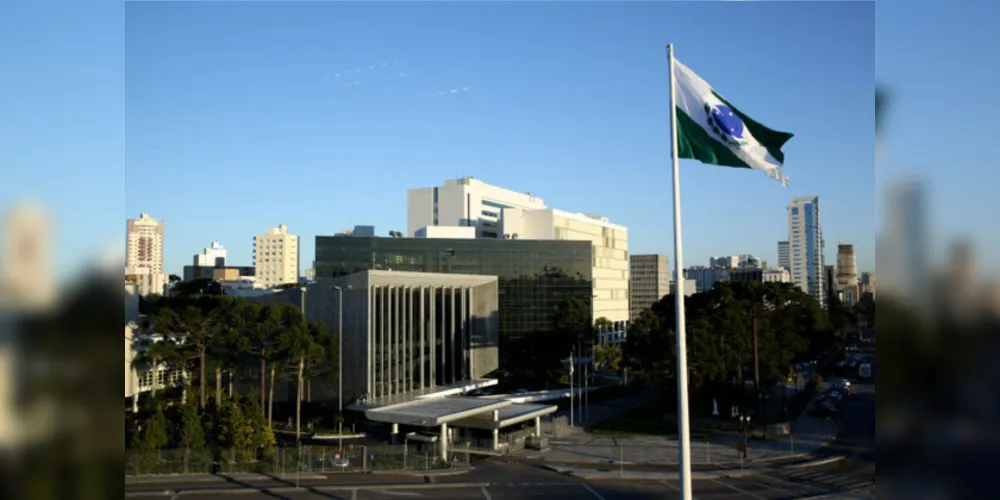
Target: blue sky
243 116
235 119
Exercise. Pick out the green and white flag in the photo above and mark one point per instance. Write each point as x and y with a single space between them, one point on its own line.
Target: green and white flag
712 131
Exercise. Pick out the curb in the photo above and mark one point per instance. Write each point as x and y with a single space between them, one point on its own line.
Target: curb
815 463
208 478
293 489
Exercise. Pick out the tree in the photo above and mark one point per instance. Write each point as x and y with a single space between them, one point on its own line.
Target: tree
191 431
153 434
194 321
173 278
609 357
226 340
298 345
235 430
573 321
263 437
263 327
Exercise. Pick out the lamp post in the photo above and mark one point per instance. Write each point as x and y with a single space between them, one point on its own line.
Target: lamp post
744 423
340 365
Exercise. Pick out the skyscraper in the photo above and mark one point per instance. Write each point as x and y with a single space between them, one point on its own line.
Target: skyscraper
649 281
276 257
847 274
784 257
805 242
145 244
213 256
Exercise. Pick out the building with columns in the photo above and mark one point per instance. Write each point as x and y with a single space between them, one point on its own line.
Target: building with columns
413 344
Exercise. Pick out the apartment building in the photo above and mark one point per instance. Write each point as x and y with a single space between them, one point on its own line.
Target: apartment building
276 257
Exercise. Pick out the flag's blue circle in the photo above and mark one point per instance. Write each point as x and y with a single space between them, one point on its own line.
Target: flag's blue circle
727 121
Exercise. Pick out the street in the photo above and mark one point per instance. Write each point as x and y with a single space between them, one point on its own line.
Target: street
500 479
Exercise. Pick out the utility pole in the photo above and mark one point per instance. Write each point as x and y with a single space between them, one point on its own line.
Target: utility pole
571 388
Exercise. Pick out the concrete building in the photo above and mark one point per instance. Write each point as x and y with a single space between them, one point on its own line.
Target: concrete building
146 283
847 275
784 255
466 202
830 282
470 208
27 280
726 262
776 275
213 256
746 274
413 343
211 272
690 287
805 237
867 283
649 282
705 278
276 257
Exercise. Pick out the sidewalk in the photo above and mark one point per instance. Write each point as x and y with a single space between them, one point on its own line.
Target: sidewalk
580 447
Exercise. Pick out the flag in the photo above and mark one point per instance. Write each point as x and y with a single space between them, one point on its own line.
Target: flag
712 131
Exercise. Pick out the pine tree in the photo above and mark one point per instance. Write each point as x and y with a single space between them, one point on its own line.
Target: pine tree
263 437
154 431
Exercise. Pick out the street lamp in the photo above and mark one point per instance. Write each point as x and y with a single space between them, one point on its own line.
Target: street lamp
744 424
340 364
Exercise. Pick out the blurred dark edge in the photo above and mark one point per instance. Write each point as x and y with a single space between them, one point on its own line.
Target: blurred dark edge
67 397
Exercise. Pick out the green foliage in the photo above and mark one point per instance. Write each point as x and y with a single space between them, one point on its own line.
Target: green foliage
153 432
790 325
235 429
191 433
263 437
608 358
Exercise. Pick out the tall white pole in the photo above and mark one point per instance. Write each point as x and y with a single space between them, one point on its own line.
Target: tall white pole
340 369
571 389
683 425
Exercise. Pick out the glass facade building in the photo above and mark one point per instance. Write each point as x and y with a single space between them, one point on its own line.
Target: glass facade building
535 276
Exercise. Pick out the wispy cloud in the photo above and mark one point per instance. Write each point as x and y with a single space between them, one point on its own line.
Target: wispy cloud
356 75
449 92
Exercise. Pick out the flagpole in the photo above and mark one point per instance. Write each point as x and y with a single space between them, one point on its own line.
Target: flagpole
683 425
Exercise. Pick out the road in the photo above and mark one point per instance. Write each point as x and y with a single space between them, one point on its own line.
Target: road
502 480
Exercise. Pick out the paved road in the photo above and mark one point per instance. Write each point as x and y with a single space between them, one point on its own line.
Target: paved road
500 480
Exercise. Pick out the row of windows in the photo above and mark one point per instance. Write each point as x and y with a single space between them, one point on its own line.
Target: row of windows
490 214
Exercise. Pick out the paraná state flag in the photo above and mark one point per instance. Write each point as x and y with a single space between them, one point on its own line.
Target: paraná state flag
713 131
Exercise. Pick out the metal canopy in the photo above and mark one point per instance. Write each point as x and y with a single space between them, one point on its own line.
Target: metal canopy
435 411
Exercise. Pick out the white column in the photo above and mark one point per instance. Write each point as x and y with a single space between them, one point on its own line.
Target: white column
451 335
472 331
369 339
384 342
397 346
423 344
496 439
433 324
391 338
538 426
444 442
462 333
407 343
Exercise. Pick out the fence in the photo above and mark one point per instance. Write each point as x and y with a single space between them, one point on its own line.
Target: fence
556 427
289 460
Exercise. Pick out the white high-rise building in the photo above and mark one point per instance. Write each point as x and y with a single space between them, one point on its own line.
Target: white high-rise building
213 256
805 241
276 257
145 244
465 202
495 212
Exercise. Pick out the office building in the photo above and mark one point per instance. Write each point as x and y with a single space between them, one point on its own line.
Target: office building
746 274
649 282
535 276
830 282
867 284
213 256
776 275
217 273
464 202
847 274
704 277
469 208
413 343
276 257
784 255
690 287
805 239
727 262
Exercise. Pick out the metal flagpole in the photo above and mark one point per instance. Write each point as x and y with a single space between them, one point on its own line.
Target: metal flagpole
683 425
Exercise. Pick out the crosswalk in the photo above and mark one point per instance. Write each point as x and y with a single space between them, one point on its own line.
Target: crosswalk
827 480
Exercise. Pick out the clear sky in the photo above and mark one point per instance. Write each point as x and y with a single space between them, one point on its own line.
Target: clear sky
241 116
